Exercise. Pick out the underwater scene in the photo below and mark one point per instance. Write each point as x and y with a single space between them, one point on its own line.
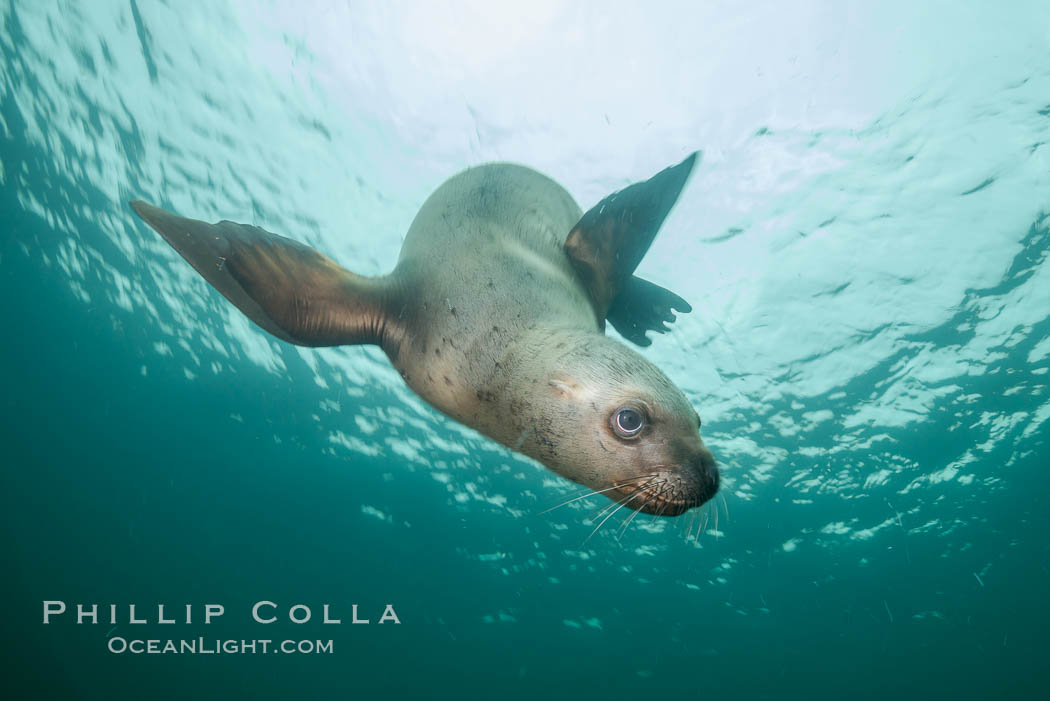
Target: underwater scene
201 501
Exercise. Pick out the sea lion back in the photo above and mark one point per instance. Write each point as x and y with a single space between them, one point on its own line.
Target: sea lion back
488 204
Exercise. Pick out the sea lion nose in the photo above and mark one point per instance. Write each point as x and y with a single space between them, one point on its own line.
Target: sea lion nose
707 473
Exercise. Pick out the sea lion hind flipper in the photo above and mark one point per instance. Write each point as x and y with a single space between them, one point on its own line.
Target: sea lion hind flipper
287 288
610 240
643 306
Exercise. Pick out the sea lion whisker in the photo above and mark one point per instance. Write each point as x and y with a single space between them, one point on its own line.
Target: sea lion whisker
611 514
661 511
699 530
623 527
703 524
581 496
607 508
638 490
597 491
689 528
626 498
636 478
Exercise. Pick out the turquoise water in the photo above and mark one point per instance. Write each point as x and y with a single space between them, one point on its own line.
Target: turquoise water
864 245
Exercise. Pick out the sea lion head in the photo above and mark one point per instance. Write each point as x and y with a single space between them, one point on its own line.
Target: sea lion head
600 414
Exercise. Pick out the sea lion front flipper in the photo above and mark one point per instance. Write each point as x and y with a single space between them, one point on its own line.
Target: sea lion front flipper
287 288
610 240
642 306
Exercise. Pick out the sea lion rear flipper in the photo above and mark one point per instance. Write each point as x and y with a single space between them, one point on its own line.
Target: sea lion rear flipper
287 288
642 306
610 240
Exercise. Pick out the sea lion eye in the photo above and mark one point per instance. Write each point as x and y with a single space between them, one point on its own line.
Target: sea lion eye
627 422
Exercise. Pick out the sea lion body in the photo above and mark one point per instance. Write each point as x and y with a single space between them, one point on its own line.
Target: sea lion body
495 315
485 231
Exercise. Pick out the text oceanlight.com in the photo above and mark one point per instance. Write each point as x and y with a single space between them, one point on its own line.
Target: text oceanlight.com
204 646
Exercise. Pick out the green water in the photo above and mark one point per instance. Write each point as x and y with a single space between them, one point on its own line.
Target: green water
864 245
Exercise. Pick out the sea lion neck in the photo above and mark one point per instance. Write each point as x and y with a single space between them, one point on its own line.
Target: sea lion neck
523 379
538 351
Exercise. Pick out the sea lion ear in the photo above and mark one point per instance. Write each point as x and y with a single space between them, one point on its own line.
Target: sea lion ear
563 387
288 289
610 240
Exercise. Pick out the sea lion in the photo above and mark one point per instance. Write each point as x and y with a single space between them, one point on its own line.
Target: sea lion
495 315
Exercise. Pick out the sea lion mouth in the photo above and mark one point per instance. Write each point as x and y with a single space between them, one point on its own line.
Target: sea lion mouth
662 495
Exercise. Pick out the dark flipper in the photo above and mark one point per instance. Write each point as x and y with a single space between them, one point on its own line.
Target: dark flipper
610 240
288 289
642 306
